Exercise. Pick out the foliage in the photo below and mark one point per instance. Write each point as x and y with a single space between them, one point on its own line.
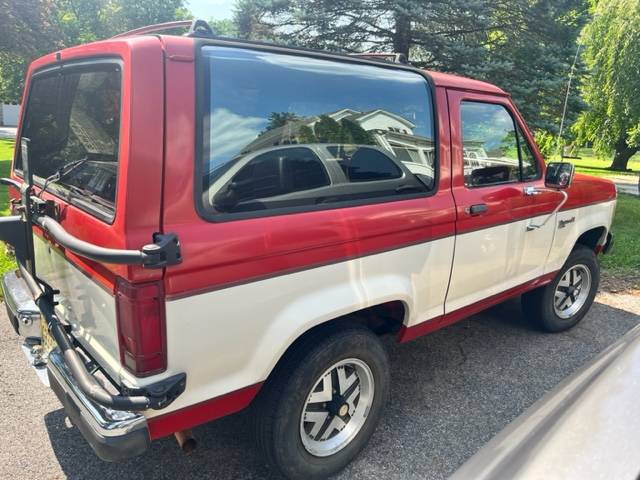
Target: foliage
224 27
328 130
280 119
546 143
6 154
31 28
612 53
27 25
12 72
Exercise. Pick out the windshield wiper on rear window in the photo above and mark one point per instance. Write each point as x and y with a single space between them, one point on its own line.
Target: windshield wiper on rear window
87 195
61 173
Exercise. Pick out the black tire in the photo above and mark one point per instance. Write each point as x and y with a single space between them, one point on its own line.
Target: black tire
538 305
280 405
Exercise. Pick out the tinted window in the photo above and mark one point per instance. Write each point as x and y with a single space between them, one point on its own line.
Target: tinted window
294 131
489 144
492 152
75 117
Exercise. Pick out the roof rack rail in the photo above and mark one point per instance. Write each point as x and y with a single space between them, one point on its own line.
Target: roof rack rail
197 28
391 57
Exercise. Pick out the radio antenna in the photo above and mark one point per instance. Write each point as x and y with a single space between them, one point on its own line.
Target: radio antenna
566 101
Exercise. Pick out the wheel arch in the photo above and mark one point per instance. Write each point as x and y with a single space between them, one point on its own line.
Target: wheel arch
593 238
381 318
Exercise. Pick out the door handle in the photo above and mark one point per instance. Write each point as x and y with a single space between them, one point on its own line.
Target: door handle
477 209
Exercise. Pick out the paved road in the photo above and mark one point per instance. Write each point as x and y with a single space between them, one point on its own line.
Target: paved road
453 390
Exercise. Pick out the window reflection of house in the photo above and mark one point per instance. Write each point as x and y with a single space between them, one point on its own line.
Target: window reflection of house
386 129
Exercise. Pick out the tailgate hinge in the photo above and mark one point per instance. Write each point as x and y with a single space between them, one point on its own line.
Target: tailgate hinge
164 251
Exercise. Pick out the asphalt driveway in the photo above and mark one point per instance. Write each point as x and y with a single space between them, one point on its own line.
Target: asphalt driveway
452 391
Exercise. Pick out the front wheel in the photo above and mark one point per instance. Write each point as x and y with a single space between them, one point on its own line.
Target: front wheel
564 302
323 404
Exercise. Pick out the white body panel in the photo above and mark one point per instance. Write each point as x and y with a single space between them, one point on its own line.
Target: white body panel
232 338
495 259
585 218
84 304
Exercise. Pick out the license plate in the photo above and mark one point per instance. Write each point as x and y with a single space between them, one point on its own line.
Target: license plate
47 341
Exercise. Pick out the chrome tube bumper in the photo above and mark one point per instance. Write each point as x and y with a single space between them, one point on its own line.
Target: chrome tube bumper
21 309
113 434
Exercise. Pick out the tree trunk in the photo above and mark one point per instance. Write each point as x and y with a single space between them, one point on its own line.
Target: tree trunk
622 155
402 34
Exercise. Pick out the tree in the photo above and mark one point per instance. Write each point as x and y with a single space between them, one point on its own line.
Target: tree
31 28
249 18
26 25
224 27
280 119
533 62
611 51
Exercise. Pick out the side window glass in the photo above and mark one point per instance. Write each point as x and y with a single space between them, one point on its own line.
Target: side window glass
490 147
283 132
529 162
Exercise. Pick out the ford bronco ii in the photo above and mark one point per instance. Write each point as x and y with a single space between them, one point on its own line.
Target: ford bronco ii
203 225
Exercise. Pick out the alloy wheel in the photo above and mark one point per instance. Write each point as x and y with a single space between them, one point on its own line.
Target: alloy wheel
572 291
337 407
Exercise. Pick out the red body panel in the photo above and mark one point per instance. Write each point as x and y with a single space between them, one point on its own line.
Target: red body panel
200 413
140 156
247 250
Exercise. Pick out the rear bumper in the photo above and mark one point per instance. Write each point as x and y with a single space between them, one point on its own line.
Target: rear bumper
21 309
113 434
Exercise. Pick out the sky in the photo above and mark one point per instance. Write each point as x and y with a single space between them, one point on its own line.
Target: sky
207 9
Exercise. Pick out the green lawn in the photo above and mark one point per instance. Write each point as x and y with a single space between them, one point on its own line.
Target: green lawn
590 164
624 258
6 155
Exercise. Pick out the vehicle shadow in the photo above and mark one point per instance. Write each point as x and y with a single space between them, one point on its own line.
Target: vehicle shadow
452 391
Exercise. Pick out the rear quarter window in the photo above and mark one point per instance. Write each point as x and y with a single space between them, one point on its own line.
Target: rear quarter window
283 133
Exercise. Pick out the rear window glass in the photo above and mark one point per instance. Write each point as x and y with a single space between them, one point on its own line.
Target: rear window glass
282 131
72 121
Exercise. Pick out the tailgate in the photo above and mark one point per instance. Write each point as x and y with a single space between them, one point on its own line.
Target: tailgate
93 153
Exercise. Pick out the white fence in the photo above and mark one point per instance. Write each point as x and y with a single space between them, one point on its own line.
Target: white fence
9 115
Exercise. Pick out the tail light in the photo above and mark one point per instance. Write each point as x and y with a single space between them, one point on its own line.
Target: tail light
141 327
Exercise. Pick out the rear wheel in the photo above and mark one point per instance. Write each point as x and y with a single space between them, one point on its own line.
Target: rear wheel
324 403
564 302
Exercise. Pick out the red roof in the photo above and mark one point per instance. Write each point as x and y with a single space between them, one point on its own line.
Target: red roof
463 83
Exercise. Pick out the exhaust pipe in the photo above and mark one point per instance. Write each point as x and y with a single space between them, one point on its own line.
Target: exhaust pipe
186 441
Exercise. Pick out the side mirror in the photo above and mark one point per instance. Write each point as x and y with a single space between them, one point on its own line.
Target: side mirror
559 175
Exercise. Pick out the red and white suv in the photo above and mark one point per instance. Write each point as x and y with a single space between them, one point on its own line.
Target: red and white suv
205 224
